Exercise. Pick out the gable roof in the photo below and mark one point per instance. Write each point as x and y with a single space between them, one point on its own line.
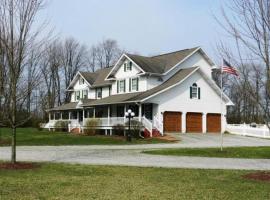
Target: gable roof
94 79
161 63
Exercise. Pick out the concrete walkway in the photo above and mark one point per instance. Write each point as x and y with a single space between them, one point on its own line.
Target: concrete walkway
130 155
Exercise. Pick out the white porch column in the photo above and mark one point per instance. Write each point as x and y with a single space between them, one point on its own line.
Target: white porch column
78 116
184 122
204 122
61 115
69 115
82 130
54 115
83 114
125 110
94 112
140 112
109 112
50 117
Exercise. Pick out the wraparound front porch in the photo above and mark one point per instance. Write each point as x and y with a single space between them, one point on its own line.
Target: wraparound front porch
109 116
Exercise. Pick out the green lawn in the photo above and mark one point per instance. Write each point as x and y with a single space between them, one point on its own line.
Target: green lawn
62 181
31 137
228 152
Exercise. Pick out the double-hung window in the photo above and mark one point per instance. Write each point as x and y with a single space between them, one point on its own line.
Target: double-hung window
81 81
135 84
85 94
77 95
121 86
99 93
127 66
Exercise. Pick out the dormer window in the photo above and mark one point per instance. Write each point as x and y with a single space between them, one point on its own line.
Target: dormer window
127 66
195 91
81 81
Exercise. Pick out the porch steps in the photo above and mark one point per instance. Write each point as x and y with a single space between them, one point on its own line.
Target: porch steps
155 133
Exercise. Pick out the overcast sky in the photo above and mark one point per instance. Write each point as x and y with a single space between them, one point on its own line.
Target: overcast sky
144 26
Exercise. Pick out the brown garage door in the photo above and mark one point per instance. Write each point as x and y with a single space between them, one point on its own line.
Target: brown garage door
213 123
194 122
172 121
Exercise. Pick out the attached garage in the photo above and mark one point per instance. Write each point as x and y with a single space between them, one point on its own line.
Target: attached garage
213 123
172 121
194 123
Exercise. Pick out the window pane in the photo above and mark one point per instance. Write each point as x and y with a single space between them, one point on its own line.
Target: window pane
122 86
194 92
99 93
134 84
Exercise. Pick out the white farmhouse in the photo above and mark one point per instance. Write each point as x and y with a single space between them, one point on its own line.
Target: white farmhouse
172 92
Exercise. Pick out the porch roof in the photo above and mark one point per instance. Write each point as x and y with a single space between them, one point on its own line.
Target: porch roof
114 99
68 106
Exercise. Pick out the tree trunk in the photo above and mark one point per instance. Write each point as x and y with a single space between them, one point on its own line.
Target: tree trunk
13 146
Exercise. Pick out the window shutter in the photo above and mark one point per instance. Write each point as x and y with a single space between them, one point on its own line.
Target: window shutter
125 67
190 91
130 81
117 86
125 85
137 84
199 93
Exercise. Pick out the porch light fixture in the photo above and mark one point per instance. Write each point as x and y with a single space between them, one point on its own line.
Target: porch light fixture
129 114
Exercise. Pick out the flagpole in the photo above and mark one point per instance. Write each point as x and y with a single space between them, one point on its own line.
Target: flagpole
221 116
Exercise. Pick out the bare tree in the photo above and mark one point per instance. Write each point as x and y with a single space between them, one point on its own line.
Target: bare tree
50 69
92 59
105 54
248 22
16 35
73 57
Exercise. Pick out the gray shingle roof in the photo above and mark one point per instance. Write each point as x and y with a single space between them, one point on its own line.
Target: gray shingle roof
161 63
176 78
97 78
114 99
68 106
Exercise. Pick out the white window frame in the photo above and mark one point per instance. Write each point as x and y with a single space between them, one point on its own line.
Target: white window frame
81 81
137 84
77 94
99 91
85 94
194 91
129 66
124 86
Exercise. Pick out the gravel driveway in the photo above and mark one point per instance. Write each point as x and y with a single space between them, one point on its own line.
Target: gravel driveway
130 155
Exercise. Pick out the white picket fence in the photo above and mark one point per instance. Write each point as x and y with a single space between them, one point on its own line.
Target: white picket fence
261 131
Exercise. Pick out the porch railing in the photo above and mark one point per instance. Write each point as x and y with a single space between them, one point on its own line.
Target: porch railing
158 124
148 125
112 121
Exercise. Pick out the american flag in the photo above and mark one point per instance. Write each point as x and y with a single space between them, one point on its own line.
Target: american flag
227 68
